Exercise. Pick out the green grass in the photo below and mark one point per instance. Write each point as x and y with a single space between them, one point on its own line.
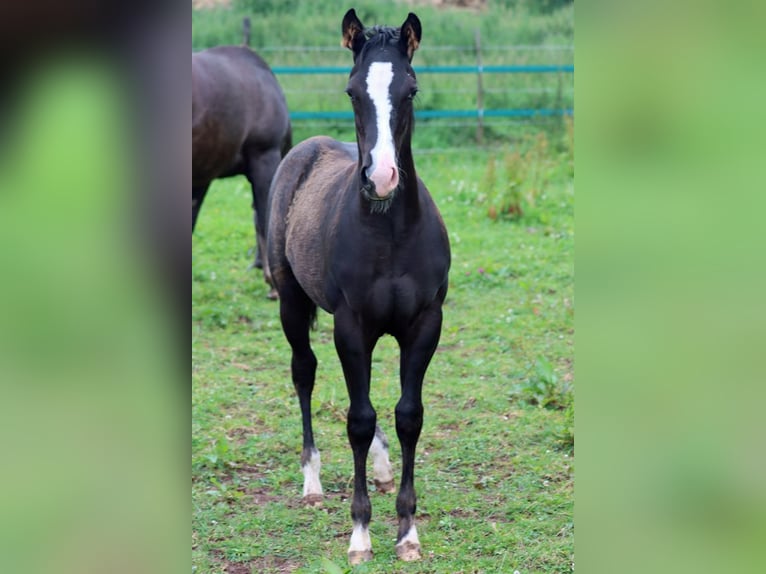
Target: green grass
495 467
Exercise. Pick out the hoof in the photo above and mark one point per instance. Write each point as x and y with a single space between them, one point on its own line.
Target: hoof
385 487
408 552
314 500
273 295
358 556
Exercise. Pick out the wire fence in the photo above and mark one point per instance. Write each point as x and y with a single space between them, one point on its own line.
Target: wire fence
468 93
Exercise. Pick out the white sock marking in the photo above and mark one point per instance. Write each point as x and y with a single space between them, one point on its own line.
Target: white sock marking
411 536
360 539
381 465
383 169
311 482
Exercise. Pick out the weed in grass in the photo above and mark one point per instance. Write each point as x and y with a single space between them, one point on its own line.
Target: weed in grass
220 450
567 430
513 193
541 387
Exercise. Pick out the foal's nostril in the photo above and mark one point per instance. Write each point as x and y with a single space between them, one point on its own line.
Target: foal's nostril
394 181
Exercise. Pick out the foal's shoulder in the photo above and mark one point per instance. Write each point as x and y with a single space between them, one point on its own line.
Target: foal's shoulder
315 147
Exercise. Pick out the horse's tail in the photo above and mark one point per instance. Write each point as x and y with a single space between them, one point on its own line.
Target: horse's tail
246 31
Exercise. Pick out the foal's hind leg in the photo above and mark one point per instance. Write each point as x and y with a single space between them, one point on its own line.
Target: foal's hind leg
261 166
382 473
417 348
297 312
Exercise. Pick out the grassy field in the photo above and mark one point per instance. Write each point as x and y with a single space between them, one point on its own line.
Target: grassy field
495 462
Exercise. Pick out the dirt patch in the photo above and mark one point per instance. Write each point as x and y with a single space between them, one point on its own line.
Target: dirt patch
260 496
240 435
246 478
237 567
295 502
275 564
463 513
264 564
451 427
243 471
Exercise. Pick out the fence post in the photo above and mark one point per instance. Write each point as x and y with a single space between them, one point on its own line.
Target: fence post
246 31
479 90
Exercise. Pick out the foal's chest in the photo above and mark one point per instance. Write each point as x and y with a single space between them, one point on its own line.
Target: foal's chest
397 285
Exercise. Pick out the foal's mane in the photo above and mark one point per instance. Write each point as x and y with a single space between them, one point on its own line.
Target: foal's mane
379 36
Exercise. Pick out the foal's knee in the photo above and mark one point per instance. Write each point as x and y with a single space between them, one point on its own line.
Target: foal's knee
303 366
360 424
409 417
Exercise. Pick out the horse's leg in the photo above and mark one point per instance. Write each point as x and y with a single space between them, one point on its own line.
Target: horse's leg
417 348
198 196
356 358
297 312
382 473
260 171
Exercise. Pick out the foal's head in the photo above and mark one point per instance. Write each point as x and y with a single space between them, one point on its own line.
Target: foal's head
381 86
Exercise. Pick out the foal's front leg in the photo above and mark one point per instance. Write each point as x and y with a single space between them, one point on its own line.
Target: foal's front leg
355 355
417 348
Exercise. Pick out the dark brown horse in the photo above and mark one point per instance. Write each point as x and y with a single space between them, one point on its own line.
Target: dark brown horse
353 230
240 125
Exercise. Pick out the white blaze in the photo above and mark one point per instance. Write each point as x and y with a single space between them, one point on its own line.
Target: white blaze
383 171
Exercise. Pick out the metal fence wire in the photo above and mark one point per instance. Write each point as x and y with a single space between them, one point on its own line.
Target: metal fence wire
468 86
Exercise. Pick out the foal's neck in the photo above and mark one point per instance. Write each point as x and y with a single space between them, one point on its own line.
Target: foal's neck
409 178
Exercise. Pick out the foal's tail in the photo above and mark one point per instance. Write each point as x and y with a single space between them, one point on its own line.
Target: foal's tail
246 31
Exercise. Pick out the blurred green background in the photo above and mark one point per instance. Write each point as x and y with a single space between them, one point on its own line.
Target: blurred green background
670 282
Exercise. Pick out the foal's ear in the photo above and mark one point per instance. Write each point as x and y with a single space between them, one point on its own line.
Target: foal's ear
409 36
353 31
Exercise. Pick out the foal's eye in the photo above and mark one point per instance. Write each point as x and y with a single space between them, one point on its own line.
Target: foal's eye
350 95
412 94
